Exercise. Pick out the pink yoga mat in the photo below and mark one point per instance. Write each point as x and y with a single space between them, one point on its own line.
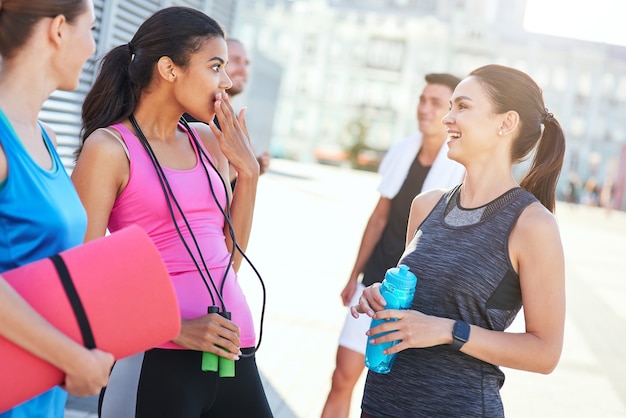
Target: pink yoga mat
127 296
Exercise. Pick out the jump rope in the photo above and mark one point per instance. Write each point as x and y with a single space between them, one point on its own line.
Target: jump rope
209 360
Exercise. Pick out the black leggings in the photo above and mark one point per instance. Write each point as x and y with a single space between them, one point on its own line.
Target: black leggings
170 384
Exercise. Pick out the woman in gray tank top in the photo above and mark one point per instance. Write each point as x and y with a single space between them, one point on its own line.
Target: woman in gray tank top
480 252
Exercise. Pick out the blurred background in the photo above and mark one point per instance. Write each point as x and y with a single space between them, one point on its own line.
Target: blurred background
337 81
333 84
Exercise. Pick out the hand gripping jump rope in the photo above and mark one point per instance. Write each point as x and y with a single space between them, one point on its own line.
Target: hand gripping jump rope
210 361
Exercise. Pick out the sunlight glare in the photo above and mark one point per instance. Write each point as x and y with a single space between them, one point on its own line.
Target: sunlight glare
596 21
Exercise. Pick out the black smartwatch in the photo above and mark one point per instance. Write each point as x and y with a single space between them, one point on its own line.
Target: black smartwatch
460 334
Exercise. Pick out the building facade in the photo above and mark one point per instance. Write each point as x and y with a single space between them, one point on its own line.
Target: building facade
352 72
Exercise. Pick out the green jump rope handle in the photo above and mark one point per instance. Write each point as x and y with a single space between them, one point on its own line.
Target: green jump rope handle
212 362
226 365
209 362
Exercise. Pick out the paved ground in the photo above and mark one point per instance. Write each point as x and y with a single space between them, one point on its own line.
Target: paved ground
308 223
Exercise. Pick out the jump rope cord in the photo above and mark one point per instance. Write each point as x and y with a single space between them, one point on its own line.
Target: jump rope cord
231 229
169 195
167 191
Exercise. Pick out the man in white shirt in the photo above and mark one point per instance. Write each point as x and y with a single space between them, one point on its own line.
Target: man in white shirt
413 165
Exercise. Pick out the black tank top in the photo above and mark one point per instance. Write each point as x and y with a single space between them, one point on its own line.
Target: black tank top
391 244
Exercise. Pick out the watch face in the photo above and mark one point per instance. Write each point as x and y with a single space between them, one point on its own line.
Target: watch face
461 331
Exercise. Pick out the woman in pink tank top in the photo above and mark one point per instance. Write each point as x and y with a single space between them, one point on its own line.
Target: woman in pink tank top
140 163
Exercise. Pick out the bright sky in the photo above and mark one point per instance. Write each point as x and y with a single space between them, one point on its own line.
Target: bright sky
592 20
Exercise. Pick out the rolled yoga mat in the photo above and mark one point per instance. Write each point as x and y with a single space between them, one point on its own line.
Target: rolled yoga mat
113 293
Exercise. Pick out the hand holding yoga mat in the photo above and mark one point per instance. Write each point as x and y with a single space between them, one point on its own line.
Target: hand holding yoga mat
113 293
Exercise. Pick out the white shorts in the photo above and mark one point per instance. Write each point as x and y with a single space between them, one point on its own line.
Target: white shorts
352 334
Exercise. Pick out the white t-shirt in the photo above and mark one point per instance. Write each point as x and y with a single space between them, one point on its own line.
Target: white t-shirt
444 173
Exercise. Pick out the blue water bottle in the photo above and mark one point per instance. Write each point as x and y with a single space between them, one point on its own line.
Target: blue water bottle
398 289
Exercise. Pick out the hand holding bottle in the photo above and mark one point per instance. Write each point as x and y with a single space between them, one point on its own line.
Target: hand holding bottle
398 289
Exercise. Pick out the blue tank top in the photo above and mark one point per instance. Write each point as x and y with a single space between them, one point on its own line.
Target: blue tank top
40 215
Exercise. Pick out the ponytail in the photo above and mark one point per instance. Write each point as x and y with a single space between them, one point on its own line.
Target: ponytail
112 97
543 175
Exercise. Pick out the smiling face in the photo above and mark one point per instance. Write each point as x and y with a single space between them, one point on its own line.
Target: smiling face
202 78
433 105
471 123
237 67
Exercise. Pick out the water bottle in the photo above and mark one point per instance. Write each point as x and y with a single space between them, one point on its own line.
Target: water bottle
398 289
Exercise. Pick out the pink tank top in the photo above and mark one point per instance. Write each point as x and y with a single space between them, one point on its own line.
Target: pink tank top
143 202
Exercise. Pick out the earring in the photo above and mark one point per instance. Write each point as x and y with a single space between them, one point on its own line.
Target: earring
500 132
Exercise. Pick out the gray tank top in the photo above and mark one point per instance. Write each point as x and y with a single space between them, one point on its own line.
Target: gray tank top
461 259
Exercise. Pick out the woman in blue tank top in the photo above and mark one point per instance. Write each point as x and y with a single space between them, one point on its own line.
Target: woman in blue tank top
43 44
480 251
